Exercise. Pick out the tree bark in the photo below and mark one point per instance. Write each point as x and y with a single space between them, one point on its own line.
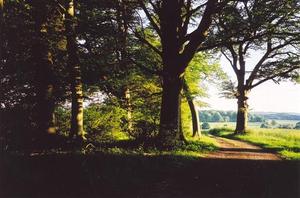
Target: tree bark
242 114
195 119
45 78
129 110
169 133
1 28
77 130
176 56
194 114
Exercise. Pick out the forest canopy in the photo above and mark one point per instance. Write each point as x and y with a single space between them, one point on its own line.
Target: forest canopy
90 70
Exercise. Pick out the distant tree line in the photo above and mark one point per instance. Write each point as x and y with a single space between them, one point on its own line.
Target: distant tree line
273 124
225 116
280 116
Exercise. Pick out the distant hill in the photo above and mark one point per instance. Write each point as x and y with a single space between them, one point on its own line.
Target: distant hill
279 116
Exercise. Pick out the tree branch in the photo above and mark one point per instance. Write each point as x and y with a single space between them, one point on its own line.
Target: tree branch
274 76
199 35
145 68
150 18
145 41
235 59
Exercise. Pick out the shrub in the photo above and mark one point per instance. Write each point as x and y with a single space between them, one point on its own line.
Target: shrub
101 120
63 116
286 126
265 125
143 130
205 125
297 125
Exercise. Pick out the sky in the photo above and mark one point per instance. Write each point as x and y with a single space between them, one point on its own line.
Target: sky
267 97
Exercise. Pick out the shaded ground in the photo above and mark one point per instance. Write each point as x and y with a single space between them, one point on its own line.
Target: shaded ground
234 149
103 175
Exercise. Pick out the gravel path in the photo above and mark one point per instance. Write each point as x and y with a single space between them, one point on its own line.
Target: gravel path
234 149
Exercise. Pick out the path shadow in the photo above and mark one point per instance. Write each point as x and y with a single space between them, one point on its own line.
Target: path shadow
103 175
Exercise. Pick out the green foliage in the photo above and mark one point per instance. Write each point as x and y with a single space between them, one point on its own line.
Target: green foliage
63 117
220 131
200 69
186 118
143 130
102 120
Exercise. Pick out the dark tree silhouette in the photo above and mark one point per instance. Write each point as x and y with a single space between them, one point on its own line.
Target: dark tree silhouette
43 62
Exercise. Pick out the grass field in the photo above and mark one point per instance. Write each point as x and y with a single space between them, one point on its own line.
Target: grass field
286 142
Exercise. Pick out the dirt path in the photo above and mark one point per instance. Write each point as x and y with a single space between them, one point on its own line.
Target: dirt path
234 149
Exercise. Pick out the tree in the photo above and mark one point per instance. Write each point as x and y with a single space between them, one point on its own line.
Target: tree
201 69
170 20
269 27
115 63
43 63
75 74
273 123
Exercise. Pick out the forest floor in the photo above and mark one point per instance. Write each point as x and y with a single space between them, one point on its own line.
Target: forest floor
235 149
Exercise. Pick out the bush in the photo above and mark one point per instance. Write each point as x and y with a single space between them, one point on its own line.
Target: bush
265 126
297 125
63 116
101 120
143 130
286 126
205 125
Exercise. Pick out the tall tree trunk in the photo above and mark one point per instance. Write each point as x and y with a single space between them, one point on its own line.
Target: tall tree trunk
195 119
75 75
129 110
194 114
242 113
169 132
44 72
1 29
122 55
